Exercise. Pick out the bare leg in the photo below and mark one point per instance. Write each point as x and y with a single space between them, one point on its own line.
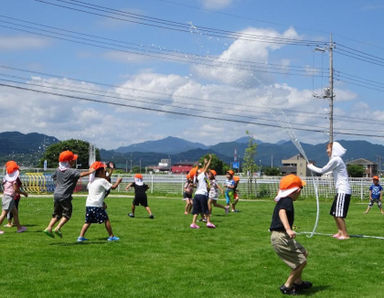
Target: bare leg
84 229
218 205
342 227
16 217
133 209
295 275
194 218
210 206
62 222
109 228
51 224
366 211
339 232
148 210
3 215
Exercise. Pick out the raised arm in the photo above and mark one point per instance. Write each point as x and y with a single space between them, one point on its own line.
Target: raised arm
328 167
128 186
89 172
118 181
207 163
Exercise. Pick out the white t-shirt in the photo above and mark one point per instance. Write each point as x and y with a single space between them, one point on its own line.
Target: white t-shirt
201 188
96 192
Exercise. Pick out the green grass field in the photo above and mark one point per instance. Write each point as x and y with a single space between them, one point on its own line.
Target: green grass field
163 257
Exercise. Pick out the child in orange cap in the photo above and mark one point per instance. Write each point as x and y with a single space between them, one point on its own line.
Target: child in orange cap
283 237
140 196
65 179
11 188
375 195
95 206
230 189
187 194
213 194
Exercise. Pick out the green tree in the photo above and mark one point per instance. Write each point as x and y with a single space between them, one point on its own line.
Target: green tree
271 171
249 164
355 170
216 164
79 147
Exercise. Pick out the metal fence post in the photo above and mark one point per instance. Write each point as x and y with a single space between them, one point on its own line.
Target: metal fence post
151 183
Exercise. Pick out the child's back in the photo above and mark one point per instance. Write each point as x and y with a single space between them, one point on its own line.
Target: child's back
65 182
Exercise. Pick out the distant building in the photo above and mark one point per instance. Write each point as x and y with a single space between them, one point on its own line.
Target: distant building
182 167
370 167
295 165
164 165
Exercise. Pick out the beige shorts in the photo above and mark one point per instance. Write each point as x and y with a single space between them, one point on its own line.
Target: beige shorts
8 202
289 250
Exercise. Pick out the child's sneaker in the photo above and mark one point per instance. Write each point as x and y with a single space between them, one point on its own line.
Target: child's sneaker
288 291
131 215
59 233
151 216
48 233
8 225
81 239
21 230
113 238
304 285
1 232
211 225
226 209
194 226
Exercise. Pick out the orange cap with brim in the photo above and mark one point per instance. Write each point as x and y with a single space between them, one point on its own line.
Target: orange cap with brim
98 164
138 176
288 185
236 178
11 166
231 172
375 178
67 156
213 172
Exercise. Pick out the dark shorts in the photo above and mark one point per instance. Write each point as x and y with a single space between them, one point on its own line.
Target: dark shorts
140 201
373 201
62 209
200 204
187 195
340 205
95 215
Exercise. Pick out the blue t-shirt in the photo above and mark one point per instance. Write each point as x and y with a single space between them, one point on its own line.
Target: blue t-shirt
376 189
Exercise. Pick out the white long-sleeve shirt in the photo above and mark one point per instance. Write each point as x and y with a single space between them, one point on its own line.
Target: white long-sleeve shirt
338 168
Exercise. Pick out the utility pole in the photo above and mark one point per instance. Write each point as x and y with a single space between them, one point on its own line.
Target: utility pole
329 91
330 95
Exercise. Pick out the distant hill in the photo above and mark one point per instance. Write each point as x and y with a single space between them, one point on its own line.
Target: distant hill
28 148
14 142
169 145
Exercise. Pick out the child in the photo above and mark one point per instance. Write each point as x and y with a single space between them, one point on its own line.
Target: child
17 200
140 195
65 179
375 195
200 201
11 188
230 189
95 206
282 235
187 195
214 194
236 193
340 204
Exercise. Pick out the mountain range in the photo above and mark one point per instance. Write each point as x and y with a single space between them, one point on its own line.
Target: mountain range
28 148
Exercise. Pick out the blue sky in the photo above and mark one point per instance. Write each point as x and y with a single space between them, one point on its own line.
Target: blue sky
250 81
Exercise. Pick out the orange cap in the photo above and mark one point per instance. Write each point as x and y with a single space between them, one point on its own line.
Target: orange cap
188 176
11 166
231 172
67 156
138 176
375 178
236 178
98 164
213 172
291 181
192 172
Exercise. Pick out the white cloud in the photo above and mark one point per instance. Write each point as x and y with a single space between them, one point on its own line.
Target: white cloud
229 67
216 4
17 43
127 57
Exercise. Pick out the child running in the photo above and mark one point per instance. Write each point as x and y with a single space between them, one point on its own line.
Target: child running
18 194
65 179
230 190
375 195
340 204
200 201
187 195
11 188
214 193
140 196
95 205
235 193
282 235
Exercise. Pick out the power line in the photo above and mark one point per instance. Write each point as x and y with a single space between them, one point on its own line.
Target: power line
136 18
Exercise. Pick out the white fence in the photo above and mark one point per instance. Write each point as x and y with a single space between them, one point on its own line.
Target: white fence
263 187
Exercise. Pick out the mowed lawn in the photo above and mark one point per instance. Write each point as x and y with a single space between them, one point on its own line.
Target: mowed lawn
165 258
